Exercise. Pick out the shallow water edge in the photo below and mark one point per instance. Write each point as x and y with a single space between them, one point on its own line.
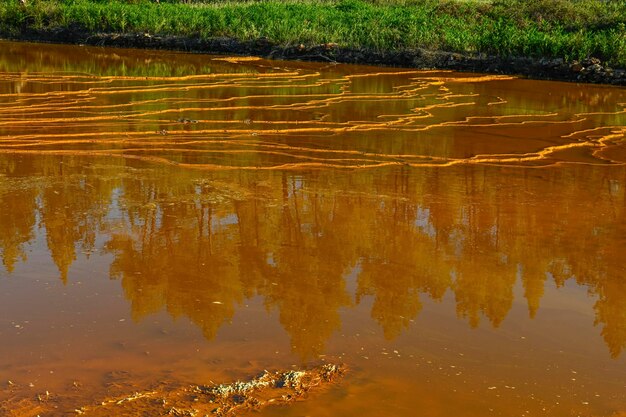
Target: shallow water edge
588 71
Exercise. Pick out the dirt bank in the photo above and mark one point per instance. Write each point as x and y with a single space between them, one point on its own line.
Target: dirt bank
163 398
590 70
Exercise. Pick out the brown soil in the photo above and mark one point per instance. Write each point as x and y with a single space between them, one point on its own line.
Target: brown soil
591 70
163 399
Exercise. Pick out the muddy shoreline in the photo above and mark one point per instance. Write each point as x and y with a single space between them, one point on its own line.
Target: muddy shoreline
591 70
275 388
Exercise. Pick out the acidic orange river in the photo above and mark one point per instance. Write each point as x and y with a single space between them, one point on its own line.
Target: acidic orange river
456 241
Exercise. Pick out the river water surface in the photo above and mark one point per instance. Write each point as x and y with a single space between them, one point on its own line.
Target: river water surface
457 240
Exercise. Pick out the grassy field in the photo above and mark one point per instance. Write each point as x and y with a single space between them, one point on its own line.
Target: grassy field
569 29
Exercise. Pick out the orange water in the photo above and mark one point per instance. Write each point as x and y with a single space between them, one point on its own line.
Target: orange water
457 240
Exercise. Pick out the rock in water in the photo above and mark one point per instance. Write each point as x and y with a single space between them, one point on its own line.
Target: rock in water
222 400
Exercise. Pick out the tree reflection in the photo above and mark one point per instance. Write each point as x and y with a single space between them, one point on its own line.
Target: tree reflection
199 244
18 207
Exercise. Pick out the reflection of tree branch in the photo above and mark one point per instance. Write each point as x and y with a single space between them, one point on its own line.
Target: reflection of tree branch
468 231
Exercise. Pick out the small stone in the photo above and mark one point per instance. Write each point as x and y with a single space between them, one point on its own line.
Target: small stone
576 66
591 61
558 62
594 68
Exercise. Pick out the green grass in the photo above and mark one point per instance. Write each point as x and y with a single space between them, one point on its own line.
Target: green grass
570 29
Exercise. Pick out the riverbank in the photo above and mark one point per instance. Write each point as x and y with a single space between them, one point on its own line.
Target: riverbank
581 41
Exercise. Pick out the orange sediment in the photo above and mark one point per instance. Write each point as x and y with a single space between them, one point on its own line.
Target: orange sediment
221 400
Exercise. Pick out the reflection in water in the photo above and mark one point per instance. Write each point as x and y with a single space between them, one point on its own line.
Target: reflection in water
205 185
257 115
198 246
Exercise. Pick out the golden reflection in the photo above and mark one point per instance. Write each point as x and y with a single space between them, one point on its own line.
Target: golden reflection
19 207
199 246
295 239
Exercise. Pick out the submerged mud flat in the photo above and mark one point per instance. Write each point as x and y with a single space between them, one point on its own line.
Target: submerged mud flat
169 220
223 400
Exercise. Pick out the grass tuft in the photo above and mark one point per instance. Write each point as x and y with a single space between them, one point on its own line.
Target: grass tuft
570 29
